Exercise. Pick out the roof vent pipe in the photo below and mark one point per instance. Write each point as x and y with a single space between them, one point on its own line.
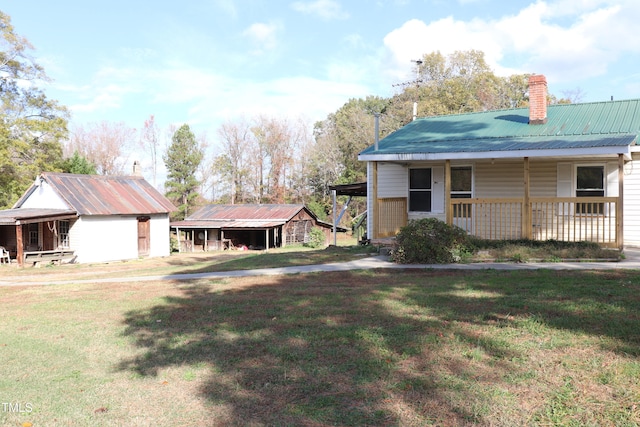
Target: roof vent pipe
376 129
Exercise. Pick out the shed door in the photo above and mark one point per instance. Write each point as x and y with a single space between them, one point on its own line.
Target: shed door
143 236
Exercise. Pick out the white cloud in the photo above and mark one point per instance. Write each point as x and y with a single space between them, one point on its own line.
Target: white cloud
326 9
263 36
562 39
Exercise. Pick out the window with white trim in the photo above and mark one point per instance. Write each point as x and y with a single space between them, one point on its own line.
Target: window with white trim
590 183
420 189
63 234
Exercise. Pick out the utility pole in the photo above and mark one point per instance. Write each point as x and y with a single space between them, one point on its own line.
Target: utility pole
417 82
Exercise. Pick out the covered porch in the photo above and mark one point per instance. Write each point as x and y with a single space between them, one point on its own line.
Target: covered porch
596 219
32 235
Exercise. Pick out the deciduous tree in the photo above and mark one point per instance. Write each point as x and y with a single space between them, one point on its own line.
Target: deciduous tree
31 125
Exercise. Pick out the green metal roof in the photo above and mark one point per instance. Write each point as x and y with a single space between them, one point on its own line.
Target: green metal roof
569 126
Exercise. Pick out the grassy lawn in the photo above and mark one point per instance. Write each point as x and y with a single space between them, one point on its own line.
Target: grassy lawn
201 262
389 348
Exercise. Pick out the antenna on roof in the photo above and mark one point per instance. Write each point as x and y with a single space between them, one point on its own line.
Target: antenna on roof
417 82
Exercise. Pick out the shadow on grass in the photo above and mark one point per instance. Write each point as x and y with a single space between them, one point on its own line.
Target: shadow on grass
362 348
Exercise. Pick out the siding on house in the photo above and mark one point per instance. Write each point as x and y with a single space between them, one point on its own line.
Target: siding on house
632 201
505 179
105 238
44 196
159 238
99 238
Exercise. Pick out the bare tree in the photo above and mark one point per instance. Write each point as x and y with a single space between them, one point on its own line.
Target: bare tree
231 165
150 141
105 145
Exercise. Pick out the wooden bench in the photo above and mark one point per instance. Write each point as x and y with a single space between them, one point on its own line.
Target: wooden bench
56 257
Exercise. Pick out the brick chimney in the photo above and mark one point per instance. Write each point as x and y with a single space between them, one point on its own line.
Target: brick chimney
537 99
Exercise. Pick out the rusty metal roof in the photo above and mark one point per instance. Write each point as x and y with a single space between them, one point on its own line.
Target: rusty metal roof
245 216
271 212
27 215
106 195
226 225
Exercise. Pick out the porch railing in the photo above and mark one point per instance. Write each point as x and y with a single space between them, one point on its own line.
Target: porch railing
570 219
391 215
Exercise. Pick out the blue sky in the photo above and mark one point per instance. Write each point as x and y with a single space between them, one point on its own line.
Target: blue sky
202 62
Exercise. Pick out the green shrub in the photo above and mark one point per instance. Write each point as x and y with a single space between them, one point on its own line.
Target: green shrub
174 246
316 238
431 241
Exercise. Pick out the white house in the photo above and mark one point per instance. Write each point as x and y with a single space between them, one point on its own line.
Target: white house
565 172
86 219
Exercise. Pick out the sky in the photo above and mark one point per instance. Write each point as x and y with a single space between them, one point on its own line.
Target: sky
205 62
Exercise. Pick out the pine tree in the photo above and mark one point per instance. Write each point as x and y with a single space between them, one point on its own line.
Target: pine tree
182 159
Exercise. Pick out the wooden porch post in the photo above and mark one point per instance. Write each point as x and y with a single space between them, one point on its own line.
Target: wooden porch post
526 206
178 237
620 204
374 198
447 192
19 245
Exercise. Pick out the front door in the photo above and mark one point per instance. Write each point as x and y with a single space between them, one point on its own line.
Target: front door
143 236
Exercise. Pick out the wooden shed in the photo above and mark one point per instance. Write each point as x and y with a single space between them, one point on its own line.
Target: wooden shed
250 226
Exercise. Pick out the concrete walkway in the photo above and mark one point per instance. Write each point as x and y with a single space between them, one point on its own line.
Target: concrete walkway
631 261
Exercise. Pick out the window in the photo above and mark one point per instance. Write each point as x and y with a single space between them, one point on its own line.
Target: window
461 189
420 190
63 234
33 235
590 183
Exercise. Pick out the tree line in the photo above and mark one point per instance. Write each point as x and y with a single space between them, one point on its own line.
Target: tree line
260 159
